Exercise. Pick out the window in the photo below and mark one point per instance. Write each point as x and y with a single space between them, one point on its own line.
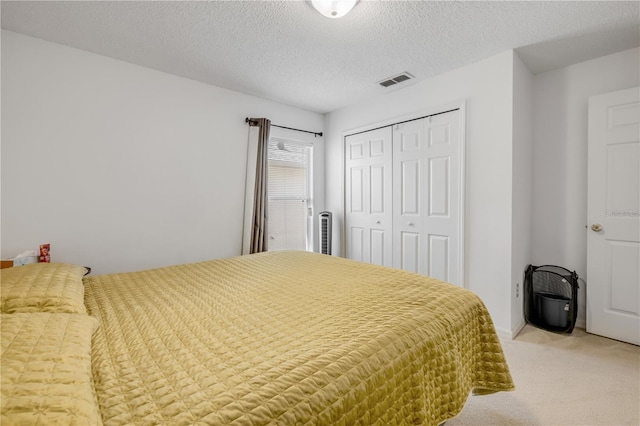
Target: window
289 191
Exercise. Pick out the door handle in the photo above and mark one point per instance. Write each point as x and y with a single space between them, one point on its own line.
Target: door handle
596 227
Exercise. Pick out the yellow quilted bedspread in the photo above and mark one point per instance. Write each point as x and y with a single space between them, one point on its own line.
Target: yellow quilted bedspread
46 369
288 338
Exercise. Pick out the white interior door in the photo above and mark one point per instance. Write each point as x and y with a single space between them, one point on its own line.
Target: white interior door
368 215
427 188
613 242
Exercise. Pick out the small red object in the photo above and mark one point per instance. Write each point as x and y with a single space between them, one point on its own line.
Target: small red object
45 257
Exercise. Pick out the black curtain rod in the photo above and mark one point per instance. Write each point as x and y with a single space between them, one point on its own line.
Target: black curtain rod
248 120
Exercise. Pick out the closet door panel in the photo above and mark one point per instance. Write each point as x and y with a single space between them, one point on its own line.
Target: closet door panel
408 191
427 180
439 256
443 219
377 174
439 186
410 251
356 184
378 256
357 245
439 132
410 187
368 197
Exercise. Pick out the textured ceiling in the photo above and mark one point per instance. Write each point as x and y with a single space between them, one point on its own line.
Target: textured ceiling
287 52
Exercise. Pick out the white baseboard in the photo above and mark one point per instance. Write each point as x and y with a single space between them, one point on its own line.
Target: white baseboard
505 333
518 328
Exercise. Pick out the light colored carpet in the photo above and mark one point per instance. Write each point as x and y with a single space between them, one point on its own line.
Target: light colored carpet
562 379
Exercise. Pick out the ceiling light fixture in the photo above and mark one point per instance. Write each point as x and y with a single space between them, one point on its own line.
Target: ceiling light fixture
333 8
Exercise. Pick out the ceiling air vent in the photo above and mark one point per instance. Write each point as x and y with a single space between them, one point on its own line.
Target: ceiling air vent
395 80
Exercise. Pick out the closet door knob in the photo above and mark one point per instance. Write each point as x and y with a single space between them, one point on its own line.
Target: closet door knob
596 227
410 224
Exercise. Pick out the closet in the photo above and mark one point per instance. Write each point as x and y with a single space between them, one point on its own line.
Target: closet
404 196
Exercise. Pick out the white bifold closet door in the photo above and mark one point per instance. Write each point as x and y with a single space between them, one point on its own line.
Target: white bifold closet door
369 197
420 193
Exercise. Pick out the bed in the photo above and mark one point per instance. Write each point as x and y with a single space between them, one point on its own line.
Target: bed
273 338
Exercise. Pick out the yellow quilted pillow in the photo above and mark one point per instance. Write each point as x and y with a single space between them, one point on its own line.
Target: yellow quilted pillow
42 287
45 373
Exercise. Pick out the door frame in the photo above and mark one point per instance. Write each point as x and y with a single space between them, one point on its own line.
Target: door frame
461 106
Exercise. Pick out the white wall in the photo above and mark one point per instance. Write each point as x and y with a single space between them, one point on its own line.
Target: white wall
120 167
487 88
522 186
560 157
